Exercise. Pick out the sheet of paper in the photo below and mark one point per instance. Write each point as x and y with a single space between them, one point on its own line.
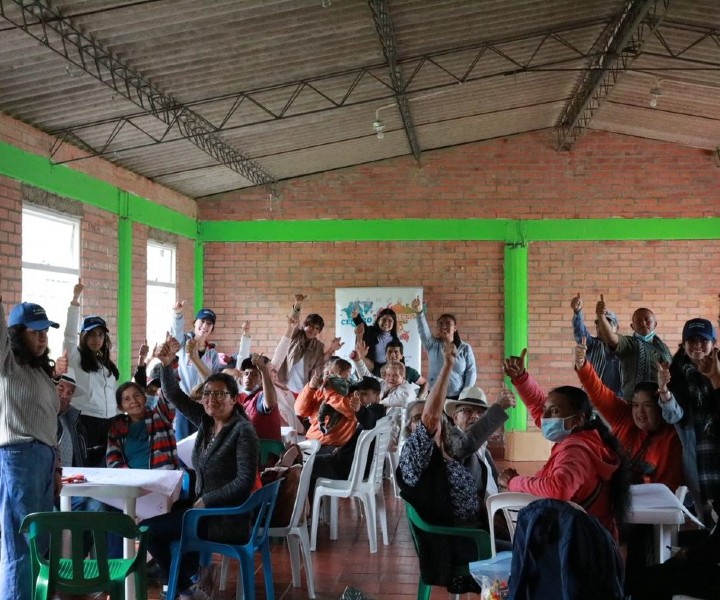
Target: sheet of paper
185 448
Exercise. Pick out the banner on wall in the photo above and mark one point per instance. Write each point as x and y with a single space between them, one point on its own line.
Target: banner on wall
369 301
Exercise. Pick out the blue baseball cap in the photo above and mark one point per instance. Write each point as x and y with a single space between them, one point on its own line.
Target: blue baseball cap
701 327
33 316
93 322
206 314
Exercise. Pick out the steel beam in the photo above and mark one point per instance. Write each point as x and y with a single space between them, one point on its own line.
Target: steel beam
59 34
623 42
386 33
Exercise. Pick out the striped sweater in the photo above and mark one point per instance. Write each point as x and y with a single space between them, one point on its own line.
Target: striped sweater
163 449
28 400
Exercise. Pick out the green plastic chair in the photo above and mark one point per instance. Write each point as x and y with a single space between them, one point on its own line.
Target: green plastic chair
270 449
479 536
76 575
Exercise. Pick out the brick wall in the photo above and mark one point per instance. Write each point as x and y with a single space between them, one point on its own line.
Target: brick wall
520 178
10 241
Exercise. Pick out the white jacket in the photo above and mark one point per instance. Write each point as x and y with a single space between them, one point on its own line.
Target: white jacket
99 401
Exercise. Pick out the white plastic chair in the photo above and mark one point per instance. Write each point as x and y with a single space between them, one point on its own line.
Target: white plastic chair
296 531
510 504
369 491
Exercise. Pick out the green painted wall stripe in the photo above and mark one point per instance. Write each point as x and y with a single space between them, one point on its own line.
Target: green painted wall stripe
498 230
199 274
39 172
552 230
124 300
516 319
352 230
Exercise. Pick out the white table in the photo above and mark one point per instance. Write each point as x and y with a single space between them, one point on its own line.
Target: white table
122 488
654 504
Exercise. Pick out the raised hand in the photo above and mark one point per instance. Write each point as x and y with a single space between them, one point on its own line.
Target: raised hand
172 343
300 298
576 303
62 364
359 331
663 375
355 311
514 366
77 292
361 349
506 399
450 352
335 345
191 347
710 365
163 353
316 380
416 305
245 327
178 306
259 362
580 353
600 307
143 352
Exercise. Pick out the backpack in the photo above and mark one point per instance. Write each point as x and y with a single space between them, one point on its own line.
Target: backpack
288 469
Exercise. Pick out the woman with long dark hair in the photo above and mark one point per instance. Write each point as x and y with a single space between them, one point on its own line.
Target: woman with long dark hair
29 457
464 373
88 346
377 336
587 464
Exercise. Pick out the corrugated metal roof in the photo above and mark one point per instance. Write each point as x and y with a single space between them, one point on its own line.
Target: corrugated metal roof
295 87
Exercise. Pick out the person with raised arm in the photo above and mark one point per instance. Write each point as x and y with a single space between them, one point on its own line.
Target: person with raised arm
640 352
605 362
88 345
690 397
464 373
30 466
225 456
587 463
652 445
300 352
189 374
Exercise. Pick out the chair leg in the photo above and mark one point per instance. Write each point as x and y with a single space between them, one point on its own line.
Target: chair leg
267 571
174 572
314 524
293 542
382 514
333 517
307 558
368 501
247 568
224 570
424 590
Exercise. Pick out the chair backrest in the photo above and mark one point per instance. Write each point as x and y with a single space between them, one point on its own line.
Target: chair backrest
309 449
260 505
99 524
510 504
270 449
380 434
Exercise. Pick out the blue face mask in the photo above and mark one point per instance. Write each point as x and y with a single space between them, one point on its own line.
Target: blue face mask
251 391
646 338
553 428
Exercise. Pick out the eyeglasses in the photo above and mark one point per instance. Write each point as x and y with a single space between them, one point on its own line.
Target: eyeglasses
217 395
469 410
416 418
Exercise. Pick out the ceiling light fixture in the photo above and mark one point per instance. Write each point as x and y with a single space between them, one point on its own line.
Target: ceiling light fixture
655 94
379 128
326 3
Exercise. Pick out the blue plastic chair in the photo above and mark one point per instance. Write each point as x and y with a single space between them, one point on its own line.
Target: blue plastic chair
260 505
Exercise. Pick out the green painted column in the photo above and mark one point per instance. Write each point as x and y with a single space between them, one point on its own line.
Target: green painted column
125 282
516 318
199 265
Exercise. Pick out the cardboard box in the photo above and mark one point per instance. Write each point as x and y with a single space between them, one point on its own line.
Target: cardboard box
526 446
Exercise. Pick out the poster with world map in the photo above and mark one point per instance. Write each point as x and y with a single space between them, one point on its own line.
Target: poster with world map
368 302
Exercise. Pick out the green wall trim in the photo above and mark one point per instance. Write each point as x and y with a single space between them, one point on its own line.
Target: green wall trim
512 231
39 172
516 319
199 264
352 230
125 296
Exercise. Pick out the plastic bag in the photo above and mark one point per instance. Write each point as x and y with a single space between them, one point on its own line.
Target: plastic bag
493 590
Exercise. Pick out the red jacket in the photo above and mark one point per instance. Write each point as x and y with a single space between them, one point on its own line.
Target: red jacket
578 466
663 451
